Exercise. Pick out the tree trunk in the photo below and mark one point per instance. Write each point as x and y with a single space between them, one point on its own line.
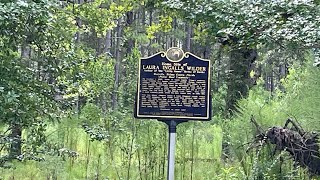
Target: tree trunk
106 50
239 79
218 69
272 82
175 27
143 53
16 128
15 147
188 37
117 67
79 22
130 20
150 24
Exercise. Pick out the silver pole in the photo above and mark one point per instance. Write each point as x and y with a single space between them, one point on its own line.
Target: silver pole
172 145
172 126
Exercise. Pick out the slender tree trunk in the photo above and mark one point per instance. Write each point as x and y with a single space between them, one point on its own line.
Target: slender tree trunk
130 148
117 66
188 37
98 167
129 23
143 19
79 23
106 50
207 51
16 128
88 157
272 82
282 73
167 42
139 164
150 23
175 27
107 45
266 81
218 68
15 147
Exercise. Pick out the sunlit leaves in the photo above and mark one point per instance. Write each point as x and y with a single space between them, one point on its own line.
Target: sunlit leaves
99 16
254 22
151 30
164 25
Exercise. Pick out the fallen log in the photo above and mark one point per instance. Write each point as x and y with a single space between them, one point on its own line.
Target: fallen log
302 146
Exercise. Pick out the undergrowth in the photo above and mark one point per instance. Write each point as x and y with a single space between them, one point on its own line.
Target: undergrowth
118 146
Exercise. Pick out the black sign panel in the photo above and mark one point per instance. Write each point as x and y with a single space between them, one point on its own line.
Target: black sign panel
173 85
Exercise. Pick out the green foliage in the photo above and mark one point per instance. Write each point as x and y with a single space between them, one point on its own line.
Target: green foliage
249 23
128 89
299 101
302 98
56 53
26 98
100 15
91 114
164 25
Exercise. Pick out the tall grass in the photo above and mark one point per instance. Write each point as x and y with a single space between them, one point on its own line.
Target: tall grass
137 149
300 101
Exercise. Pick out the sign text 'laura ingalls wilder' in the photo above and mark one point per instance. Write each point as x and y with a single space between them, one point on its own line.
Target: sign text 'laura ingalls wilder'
173 85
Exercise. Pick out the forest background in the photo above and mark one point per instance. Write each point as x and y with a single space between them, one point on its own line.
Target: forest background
68 80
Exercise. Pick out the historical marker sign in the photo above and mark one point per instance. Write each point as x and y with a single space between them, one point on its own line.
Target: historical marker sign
173 85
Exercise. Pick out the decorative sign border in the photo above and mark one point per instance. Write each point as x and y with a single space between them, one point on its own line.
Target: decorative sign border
183 56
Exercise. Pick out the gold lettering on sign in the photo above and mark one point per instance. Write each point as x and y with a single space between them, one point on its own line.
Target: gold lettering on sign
150 67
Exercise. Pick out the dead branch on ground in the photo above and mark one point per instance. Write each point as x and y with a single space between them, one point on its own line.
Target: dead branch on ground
302 146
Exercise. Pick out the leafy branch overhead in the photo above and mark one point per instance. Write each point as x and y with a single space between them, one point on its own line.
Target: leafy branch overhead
99 16
249 23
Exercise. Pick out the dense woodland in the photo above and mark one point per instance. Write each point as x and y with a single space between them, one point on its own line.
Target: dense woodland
68 76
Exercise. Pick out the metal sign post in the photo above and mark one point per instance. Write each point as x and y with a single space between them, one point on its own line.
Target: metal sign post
172 127
173 87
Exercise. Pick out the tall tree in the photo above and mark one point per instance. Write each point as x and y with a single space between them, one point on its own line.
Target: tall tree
27 89
245 26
